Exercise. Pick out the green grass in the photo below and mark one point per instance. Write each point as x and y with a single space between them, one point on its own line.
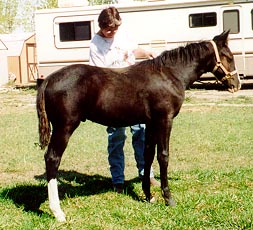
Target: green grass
210 173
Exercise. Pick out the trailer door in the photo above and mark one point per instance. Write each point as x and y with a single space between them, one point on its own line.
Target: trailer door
232 19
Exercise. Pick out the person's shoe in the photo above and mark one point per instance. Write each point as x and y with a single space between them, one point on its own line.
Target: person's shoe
119 188
154 182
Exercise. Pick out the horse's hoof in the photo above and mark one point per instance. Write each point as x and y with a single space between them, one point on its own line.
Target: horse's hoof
60 216
152 200
171 202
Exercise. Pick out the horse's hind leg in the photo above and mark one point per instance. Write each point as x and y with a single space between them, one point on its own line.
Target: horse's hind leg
149 153
57 145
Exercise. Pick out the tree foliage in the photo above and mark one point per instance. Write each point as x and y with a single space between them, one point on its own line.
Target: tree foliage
26 18
18 15
47 4
99 2
8 13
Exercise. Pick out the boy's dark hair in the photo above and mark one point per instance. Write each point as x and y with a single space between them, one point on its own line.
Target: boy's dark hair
109 17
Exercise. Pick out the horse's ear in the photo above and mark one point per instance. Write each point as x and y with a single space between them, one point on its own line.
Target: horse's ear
222 39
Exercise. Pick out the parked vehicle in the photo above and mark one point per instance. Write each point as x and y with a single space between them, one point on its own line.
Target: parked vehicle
63 34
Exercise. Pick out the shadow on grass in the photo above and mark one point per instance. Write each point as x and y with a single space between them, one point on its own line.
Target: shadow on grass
217 86
208 86
30 197
71 184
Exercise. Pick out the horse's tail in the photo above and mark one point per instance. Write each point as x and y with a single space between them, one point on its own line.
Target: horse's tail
44 124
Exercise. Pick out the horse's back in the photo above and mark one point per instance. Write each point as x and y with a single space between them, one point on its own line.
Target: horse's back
113 97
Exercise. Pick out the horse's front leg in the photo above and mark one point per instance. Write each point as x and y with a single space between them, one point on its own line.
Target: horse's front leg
163 135
53 157
149 153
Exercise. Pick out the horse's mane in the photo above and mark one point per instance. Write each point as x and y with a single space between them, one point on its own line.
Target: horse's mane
182 54
186 53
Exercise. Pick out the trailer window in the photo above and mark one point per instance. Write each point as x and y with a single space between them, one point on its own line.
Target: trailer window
75 31
252 19
231 21
202 20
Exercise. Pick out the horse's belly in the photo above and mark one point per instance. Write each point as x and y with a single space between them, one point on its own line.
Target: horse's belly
116 118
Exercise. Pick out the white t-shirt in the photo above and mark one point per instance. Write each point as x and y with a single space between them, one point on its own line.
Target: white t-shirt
111 52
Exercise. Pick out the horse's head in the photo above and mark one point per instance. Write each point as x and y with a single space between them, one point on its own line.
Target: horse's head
224 64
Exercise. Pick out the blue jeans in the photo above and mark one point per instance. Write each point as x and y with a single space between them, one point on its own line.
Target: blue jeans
116 141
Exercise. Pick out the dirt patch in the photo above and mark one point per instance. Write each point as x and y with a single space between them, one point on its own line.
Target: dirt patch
14 100
216 96
215 92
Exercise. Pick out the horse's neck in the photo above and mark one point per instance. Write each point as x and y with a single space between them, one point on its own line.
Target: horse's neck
188 73
194 69
190 77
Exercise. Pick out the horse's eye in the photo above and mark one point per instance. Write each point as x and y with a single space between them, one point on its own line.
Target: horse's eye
229 56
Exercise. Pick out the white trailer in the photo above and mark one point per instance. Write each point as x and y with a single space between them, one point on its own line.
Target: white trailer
63 34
